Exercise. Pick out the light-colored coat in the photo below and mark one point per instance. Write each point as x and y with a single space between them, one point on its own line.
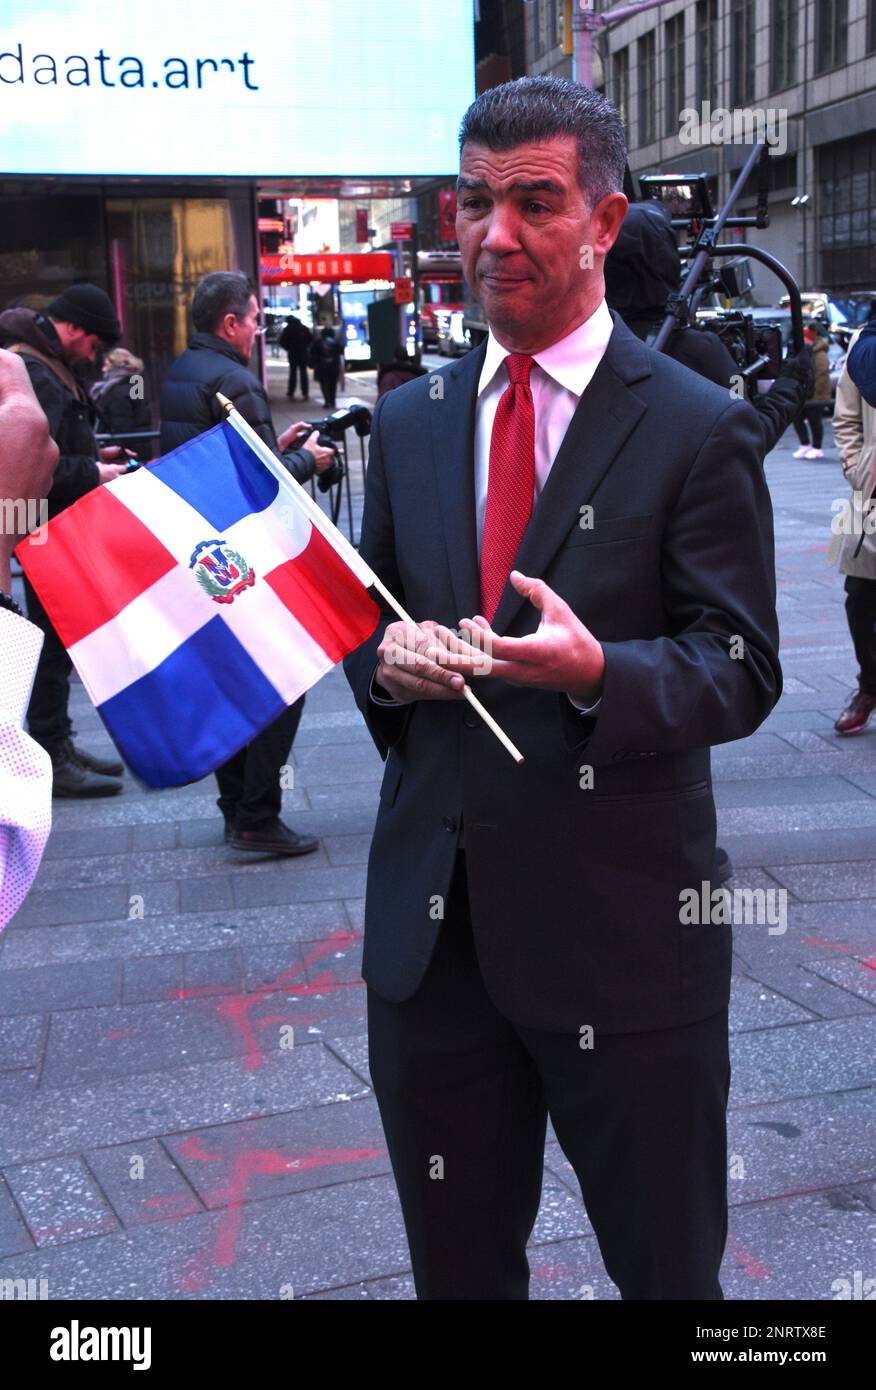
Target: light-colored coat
854 426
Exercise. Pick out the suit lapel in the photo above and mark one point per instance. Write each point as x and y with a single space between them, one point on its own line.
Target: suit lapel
452 420
605 417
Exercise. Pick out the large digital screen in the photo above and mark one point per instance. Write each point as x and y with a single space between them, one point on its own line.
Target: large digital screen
234 87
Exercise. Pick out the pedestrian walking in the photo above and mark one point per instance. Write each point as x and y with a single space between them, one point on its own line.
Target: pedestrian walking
854 428
809 424
296 340
326 361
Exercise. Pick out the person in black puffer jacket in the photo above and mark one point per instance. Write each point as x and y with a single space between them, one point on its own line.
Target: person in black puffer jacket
225 313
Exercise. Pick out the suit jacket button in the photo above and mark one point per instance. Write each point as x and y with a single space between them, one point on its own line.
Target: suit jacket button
470 719
449 823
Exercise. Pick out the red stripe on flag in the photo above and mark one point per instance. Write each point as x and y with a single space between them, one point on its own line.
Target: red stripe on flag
326 597
97 557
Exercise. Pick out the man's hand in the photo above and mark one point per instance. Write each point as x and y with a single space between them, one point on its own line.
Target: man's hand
112 453
28 454
324 458
409 666
108 471
562 654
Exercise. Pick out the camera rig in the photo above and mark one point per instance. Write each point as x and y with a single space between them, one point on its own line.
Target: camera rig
756 347
332 430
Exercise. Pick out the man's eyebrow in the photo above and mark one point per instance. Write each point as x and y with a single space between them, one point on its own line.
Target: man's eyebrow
523 185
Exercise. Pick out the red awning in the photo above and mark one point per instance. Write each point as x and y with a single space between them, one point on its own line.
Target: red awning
341 265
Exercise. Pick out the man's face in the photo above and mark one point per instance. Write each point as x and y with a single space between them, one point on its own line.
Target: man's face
80 346
241 332
531 248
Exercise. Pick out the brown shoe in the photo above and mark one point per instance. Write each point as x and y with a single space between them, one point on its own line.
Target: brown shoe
856 715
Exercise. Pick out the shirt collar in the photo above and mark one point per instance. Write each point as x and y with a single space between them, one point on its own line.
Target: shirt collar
571 361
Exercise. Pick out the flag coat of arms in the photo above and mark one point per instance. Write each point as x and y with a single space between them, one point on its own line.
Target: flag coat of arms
197 598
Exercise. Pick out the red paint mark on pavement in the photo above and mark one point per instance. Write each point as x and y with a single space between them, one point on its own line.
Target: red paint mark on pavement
752 1266
550 1271
236 1008
842 950
244 1166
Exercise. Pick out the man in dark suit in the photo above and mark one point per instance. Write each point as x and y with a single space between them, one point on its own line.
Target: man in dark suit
601 512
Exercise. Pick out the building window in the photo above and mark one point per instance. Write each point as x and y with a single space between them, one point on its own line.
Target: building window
647 88
742 50
545 27
847 213
871 26
708 36
673 58
784 40
621 64
831 34
782 175
707 22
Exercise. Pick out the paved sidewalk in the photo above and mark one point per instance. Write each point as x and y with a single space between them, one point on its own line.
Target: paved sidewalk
159 1138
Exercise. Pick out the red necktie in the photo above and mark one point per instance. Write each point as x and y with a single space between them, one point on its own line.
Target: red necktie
510 482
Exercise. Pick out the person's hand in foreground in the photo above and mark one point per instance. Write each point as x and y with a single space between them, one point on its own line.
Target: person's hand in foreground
28 454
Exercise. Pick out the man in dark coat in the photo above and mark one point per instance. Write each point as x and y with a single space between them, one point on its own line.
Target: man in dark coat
296 339
225 314
74 326
642 270
325 355
531 943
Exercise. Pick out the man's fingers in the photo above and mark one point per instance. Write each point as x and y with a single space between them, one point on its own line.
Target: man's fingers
540 595
407 656
418 679
406 686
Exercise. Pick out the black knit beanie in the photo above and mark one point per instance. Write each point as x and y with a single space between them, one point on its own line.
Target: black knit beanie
87 307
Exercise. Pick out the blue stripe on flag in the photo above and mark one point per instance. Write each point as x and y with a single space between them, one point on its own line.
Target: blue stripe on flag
219 475
193 711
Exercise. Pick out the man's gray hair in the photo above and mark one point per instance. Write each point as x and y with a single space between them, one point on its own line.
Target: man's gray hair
541 108
219 293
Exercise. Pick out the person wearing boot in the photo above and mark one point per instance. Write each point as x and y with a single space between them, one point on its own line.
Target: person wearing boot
74 326
226 317
854 429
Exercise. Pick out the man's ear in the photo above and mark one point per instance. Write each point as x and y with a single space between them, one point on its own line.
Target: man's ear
608 215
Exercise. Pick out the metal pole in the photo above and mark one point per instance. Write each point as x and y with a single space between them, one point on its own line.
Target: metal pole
415 282
710 236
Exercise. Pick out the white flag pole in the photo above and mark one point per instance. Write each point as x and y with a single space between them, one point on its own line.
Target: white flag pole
348 552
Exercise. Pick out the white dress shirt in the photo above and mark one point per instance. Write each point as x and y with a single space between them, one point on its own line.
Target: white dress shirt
25 767
558 379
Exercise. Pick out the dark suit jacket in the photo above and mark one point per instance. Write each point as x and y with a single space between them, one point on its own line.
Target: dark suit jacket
574 893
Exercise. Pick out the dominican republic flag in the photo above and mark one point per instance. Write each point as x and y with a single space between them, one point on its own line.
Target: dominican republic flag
197 598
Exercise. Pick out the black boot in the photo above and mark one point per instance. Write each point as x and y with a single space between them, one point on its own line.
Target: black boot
273 837
70 778
107 767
